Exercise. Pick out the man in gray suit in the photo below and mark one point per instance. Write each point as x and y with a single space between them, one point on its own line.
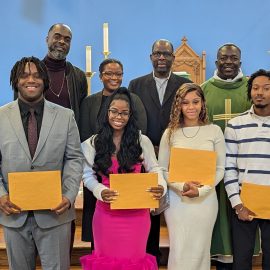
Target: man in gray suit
57 147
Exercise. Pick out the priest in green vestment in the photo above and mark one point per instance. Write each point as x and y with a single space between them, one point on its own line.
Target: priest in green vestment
226 97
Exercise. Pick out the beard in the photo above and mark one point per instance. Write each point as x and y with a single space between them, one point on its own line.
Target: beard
58 55
260 106
28 98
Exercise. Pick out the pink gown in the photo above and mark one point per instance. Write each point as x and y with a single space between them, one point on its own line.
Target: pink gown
120 236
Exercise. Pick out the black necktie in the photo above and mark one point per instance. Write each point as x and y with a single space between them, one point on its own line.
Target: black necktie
32 132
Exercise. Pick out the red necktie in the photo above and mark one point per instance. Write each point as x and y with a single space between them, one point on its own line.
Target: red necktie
32 132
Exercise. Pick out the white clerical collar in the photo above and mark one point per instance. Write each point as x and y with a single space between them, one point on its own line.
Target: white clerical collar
240 75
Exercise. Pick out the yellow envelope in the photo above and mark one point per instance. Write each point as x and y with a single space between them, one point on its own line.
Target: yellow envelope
35 190
132 190
192 165
257 199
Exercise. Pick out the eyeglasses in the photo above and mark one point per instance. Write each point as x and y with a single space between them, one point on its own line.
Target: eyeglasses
115 113
110 75
157 54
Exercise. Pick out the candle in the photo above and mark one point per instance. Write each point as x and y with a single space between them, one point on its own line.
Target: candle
105 37
88 59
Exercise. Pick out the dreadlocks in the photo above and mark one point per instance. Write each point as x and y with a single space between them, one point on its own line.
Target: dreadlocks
18 70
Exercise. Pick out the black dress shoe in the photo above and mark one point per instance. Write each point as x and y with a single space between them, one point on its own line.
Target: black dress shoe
223 266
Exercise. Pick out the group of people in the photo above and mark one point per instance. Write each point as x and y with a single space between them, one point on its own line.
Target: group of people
54 125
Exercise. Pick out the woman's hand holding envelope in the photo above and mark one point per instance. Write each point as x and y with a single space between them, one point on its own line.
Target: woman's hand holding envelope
109 195
157 192
190 189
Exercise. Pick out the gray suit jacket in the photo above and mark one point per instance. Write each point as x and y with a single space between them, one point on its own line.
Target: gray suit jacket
58 149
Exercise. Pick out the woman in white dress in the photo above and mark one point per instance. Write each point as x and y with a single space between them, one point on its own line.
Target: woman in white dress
193 207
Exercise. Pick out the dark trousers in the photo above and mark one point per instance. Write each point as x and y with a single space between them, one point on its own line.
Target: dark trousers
153 238
223 266
72 236
244 233
89 205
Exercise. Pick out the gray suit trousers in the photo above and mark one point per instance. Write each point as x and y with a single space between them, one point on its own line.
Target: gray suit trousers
52 245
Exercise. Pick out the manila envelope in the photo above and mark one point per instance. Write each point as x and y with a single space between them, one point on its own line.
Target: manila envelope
192 165
257 199
132 190
35 190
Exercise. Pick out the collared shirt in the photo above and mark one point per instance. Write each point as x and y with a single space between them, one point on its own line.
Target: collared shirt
262 119
25 113
161 84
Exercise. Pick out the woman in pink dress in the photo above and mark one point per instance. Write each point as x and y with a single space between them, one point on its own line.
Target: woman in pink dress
120 236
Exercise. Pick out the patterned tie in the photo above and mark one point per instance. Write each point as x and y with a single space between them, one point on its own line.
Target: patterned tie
32 132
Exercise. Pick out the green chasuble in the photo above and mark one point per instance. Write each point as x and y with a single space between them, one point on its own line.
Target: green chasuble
224 100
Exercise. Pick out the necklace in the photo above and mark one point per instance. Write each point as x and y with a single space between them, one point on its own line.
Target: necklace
193 135
62 86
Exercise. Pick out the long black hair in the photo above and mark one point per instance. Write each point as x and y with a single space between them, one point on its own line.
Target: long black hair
130 148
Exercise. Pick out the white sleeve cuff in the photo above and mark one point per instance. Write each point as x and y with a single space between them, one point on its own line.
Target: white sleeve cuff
177 187
204 190
97 191
235 200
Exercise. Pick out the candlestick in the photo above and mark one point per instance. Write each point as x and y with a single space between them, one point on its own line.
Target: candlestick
88 59
105 37
89 76
106 54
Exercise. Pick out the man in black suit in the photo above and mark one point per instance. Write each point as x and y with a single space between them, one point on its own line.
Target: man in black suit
157 91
